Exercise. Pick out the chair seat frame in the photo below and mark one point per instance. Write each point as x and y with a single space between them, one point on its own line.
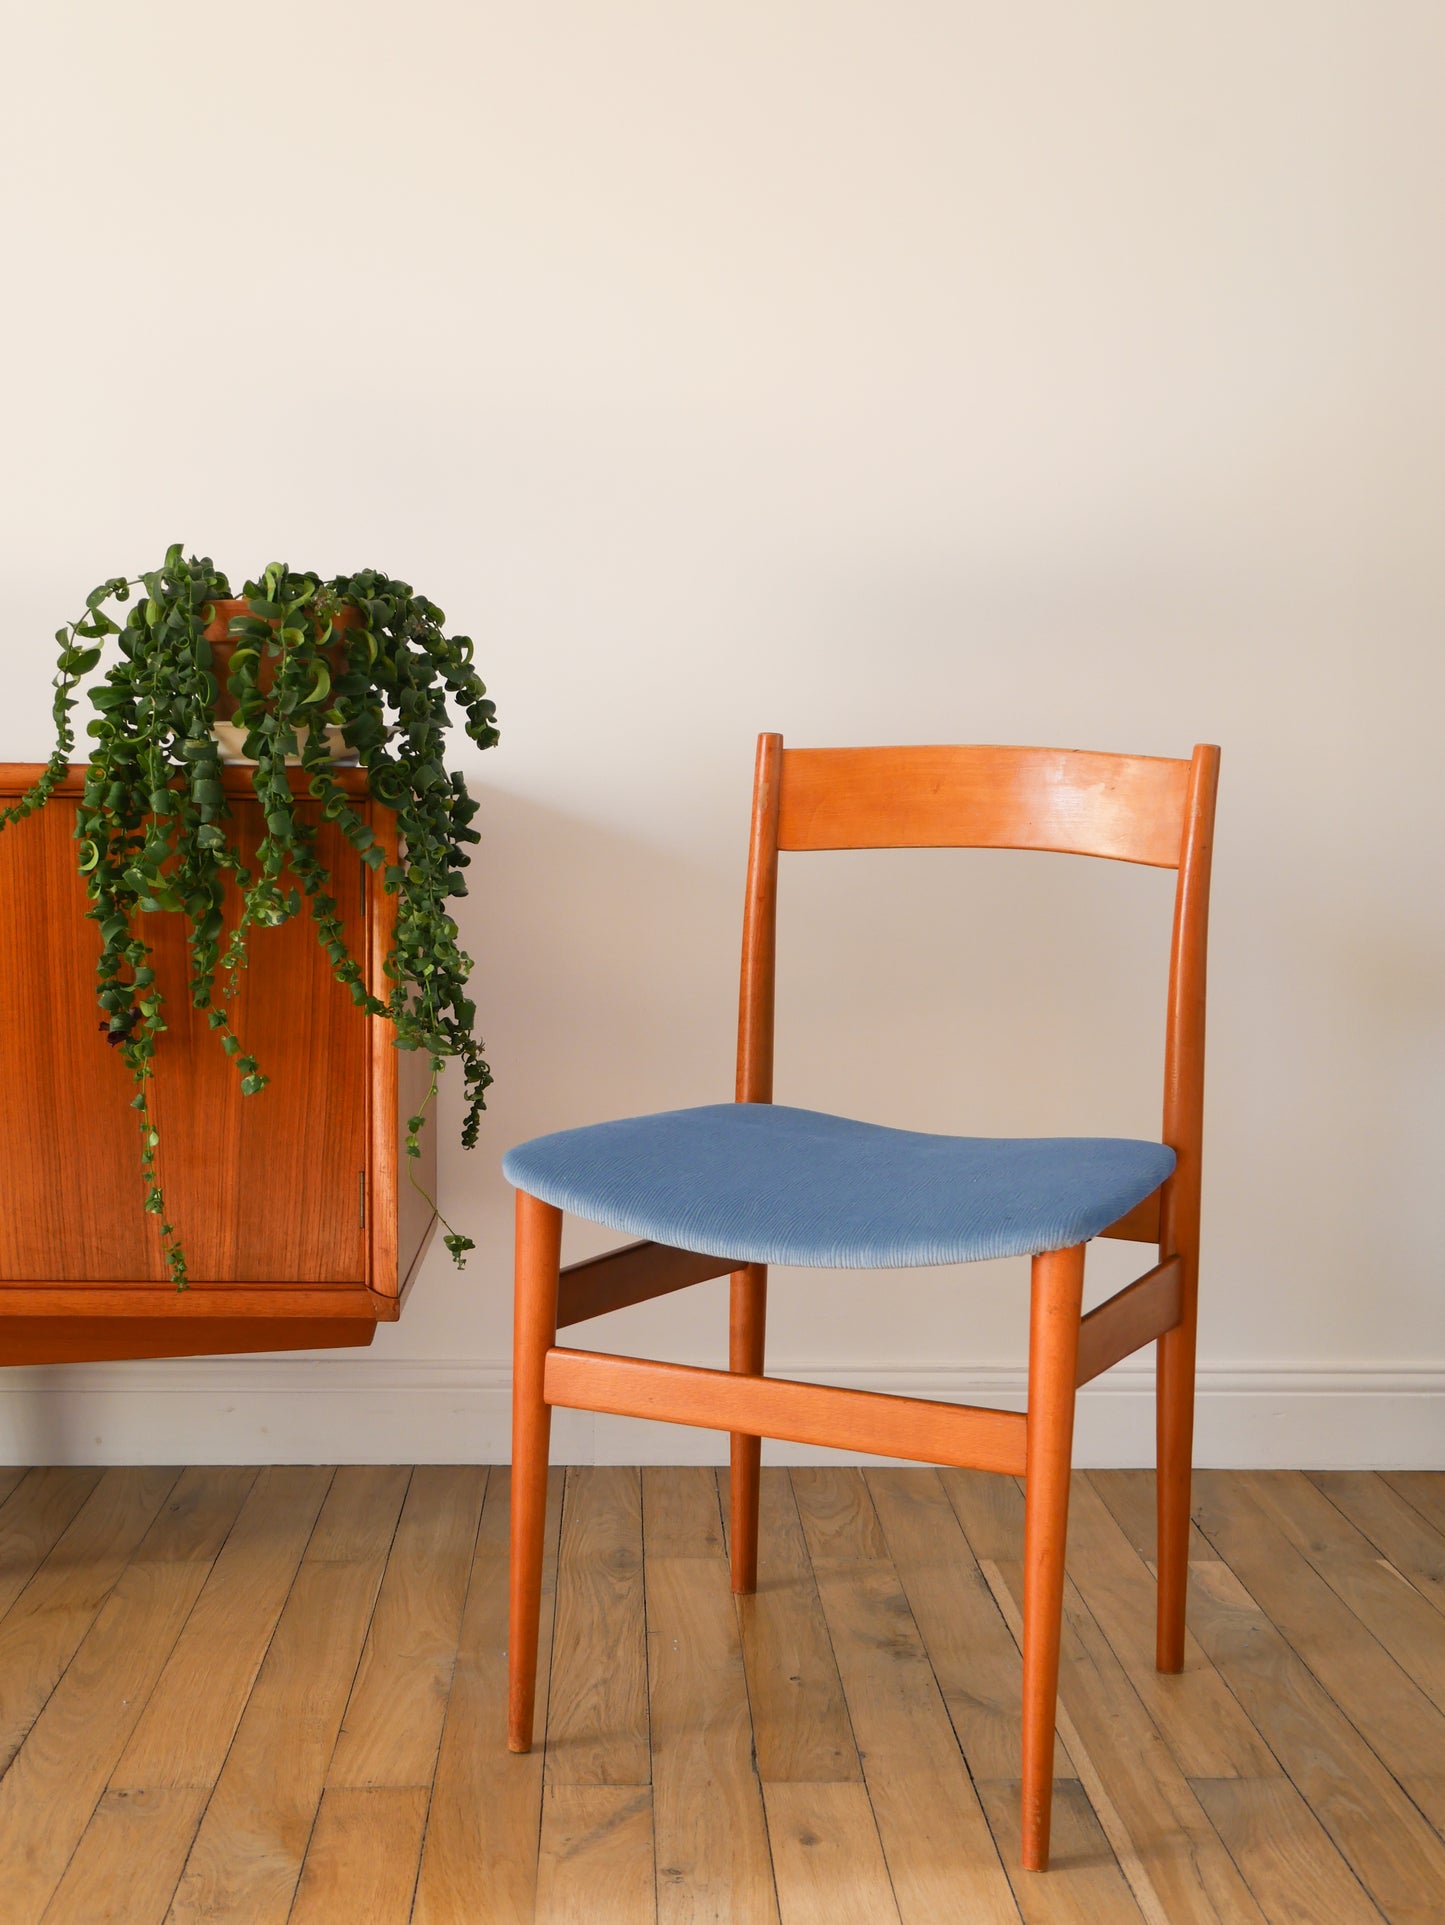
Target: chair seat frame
1128 808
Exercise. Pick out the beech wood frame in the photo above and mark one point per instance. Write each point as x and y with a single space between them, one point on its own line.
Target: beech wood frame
1126 808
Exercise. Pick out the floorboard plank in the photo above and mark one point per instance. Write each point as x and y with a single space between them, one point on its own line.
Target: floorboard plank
479 1858
56 1780
1384 1601
1084 1885
840 1523
394 1717
707 1810
362 1860
44 1627
597 1715
800 1722
1194 1710
1391 1849
971 1648
35 1514
826 1855
1281 1848
278 1698
1176 1865
681 1516
249 1850
936 1841
595 1866
1422 1489
187 1727
1399 1533
1129 1494
129 1860
1406 1731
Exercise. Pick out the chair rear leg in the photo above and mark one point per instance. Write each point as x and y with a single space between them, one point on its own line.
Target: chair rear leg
539 1249
747 1319
1057 1295
1174 1415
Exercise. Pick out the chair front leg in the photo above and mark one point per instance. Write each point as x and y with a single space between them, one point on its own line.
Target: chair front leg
539 1251
1057 1297
747 1320
1174 1439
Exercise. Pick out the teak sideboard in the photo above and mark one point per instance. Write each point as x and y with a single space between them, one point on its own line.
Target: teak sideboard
299 1220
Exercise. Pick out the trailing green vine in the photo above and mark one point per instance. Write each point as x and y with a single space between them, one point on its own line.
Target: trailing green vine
152 821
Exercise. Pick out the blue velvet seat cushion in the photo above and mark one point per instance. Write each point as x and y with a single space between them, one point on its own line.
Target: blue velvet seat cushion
767 1184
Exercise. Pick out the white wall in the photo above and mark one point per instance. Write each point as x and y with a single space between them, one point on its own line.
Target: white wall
872 372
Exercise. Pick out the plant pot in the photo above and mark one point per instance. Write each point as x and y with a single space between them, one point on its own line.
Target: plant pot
232 739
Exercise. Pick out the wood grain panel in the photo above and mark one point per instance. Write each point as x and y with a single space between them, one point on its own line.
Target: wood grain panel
1129 807
243 1175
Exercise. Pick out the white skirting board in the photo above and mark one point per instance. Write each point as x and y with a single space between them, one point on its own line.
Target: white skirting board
374 1410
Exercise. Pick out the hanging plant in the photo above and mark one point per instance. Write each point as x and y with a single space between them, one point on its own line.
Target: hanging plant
296 668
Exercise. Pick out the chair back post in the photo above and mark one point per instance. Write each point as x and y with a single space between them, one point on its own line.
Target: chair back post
1183 1126
760 930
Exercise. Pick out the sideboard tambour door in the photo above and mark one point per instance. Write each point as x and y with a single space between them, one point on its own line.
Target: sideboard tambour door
263 1189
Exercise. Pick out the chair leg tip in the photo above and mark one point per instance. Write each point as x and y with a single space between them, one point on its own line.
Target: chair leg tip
1035 1855
1034 1842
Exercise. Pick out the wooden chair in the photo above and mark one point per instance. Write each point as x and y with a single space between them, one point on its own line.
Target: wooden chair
723 1190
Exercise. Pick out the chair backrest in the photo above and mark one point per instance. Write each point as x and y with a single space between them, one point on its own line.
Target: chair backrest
1129 808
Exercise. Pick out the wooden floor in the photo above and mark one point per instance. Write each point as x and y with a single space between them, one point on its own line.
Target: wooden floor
262 1696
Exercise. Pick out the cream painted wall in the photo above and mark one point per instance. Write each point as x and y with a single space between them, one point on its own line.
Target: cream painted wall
1065 373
